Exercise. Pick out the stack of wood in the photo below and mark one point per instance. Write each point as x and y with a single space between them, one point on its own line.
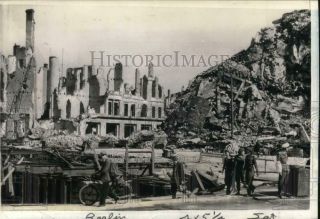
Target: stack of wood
201 182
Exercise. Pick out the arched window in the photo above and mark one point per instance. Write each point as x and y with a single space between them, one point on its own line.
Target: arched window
144 109
81 108
68 109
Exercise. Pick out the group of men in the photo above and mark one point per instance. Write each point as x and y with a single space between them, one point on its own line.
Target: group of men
240 169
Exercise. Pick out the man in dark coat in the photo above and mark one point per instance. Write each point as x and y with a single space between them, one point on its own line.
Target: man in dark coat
239 162
177 176
250 167
106 177
228 167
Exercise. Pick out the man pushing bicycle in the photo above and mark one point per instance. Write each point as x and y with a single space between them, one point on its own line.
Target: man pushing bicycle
107 175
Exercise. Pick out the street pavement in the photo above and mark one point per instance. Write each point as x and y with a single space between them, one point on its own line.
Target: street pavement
265 197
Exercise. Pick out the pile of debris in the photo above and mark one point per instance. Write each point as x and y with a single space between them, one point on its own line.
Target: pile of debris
64 142
270 86
147 138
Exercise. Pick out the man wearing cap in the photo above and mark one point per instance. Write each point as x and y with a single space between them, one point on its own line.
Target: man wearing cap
250 167
239 163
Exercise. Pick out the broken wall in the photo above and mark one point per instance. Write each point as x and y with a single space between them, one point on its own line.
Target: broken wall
3 83
41 92
73 95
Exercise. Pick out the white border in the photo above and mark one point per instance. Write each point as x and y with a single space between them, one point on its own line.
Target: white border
311 213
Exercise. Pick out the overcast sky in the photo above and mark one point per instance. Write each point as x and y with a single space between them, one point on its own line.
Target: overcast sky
141 29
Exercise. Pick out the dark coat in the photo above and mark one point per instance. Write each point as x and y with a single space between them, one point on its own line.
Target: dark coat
228 165
177 173
250 163
239 164
105 171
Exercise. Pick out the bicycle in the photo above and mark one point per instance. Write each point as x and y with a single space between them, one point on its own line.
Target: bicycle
89 194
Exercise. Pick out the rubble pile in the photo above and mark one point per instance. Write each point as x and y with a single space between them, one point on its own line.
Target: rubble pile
65 141
145 139
93 141
270 90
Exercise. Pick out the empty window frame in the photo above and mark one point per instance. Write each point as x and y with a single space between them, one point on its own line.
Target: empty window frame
126 109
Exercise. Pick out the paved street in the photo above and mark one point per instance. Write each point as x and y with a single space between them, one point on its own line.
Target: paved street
264 198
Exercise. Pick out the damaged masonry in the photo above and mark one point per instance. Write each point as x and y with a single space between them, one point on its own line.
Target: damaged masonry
96 96
60 127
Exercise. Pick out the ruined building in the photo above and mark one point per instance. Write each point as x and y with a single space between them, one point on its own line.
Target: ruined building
88 99
17 87
102 101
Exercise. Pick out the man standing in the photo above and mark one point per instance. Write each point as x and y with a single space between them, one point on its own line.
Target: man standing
283 171
239 162
228 167
177 176
250 167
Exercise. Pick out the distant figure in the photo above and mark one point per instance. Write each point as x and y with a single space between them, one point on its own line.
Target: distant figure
177 176
250 167
228 167
239 163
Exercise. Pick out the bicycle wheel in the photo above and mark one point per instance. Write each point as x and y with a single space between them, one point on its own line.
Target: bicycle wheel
88 194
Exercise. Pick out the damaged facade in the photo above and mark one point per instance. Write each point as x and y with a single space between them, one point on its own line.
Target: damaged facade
102 102
87 99
18 105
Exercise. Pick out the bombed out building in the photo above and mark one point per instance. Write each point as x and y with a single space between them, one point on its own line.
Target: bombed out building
83 100
102 102
17 86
